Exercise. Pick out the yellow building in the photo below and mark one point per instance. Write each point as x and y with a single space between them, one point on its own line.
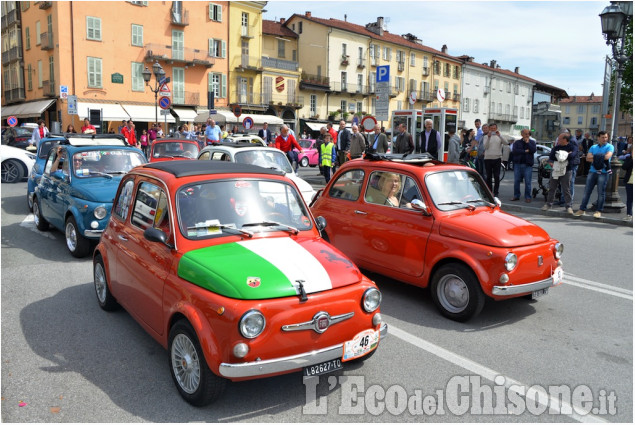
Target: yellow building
97 52
582 113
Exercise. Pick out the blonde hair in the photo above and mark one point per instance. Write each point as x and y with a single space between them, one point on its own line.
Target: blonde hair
385 177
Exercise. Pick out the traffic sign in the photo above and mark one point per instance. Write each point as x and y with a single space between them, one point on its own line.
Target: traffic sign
164 80
383 74
248 122
164 112
213 112
164 102
413 97
237 110
164 90
64 92
369 122
440 95
12 121
72 104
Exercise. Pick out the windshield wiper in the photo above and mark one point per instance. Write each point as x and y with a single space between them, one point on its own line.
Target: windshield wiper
228 229
99 173
289 229
489 204
452 203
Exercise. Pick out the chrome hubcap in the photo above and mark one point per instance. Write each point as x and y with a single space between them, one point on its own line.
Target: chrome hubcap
100 283
186 364
453 293
9 172
71 237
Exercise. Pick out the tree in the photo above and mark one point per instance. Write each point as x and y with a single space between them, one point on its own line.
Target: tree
626 96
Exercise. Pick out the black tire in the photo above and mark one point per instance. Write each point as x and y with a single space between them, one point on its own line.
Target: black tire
104 298
188 366
12 171
457 292
76 243
304 162
29 202
40 222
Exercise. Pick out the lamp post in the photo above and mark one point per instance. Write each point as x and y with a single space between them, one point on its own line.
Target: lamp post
159 73
614 20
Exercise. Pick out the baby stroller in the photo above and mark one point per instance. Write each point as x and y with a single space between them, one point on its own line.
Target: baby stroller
544 174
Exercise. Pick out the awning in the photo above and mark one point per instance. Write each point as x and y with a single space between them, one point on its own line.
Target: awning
227 117
185 114
261 119
27 110
109 111
144 113
315 126
203 115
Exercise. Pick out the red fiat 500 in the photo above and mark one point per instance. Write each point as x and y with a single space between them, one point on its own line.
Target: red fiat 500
223 265
171 149
433 224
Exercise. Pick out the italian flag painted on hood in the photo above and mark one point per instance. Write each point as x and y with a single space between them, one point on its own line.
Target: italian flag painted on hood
268 268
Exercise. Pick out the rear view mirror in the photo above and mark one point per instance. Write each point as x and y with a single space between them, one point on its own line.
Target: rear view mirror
419 205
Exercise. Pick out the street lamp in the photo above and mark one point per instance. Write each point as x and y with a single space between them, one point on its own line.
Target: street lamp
614 19
159 73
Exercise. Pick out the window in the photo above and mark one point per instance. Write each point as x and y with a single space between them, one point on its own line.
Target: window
528 110
359 107
446 69
217 48
215 12
372 77
500 108
178 85
24 5
123 201
566 120
178 45
343 76
436 85
343 105
401 56
29 77
516 89
580 120
51 70
348 186
387 54
594 121
151 208
300 27
94 72
466 104
378 185
319 70
360 82
39 74
580 109
413 59
244 24
281 53
137 76
343 49
425 61
27 37
456 90
446 87
37 33
425 89
217 83
373 52
137 35
294 55
516 111
475 105
139 3
400 84
93 28
567 109
313 105
522 111
509 87
508 110
493 108
596 109
412 85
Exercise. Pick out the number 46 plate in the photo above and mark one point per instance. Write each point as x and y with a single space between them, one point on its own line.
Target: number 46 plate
362 344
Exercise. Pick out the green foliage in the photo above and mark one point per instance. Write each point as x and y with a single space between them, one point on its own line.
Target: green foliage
626 96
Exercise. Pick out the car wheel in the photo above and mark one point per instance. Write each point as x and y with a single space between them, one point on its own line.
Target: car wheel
77 244
40 222
196 383
105 299
12 171
29 201
457 293
304 162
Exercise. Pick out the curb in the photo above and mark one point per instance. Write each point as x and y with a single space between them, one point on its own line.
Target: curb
560 212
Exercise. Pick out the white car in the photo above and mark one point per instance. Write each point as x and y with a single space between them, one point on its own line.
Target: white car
16 163
241 138
263 156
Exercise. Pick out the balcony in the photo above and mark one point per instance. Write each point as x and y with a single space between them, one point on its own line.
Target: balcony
456 96
9 19
189 98
268 62
248 100
46 4
502 117
180 18
293 101
46 41
249 63
374 61
314 82
186 57
426 96
486 90
361 63
245 33
425 71
12 55
14 94
401 66
340 87
48 88
344 60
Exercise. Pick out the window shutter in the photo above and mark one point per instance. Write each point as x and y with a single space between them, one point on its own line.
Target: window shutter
223 48
210 47
224 86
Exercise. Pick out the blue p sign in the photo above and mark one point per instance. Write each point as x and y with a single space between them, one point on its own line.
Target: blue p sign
383 73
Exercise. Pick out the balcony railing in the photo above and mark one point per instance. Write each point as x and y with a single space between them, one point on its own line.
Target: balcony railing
426 96
283 99
456 96
344 60
188 99
46 4
48 88
46 41
400 66
250 62
188 56
353 88
15 94
425 71
181 18
361 62
502 117
10 18
12 55
268 62
248 99
245 33
308 81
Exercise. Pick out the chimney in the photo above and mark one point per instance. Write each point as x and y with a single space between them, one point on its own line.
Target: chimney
345 18
492 64
498 67
283 20
376 27
444 49
307 14
517 69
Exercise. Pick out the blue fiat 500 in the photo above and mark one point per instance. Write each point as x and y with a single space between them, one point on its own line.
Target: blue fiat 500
76 190
45 146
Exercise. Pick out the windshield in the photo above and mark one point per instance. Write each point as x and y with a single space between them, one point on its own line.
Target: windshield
306 144
225 207
174 150
46 146
105 163
451 190
266 158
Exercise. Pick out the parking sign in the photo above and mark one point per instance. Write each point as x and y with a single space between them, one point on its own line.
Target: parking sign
383 74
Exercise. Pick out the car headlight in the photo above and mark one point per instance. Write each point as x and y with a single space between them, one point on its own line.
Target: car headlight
371 300
100 212
511 260
557 250
252 324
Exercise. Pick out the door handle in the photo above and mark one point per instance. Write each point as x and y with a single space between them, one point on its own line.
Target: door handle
361 212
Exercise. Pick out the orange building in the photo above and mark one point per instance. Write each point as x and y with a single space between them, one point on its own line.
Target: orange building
97 52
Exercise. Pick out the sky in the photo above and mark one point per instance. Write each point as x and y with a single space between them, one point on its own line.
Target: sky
556 42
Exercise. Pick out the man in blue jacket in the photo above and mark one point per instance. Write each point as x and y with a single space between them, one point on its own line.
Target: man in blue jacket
523 151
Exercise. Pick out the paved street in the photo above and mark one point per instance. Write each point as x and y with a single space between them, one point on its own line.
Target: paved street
66 360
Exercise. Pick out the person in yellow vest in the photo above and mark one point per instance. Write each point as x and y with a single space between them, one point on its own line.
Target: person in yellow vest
328 156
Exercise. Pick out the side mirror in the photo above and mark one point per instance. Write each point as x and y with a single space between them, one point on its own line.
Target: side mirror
498 202
419 205
321 223
156 235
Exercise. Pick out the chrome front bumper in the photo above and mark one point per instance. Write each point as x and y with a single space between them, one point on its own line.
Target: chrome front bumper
285 364
522 289
93 233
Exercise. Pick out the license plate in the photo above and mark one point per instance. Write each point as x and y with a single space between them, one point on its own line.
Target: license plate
324 367
558 275
539 293
362 344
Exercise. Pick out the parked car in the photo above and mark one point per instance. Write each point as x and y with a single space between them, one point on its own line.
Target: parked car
18 137
16 163
241 138
235 285
436 225
309 157
263 156
77 197
169 149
